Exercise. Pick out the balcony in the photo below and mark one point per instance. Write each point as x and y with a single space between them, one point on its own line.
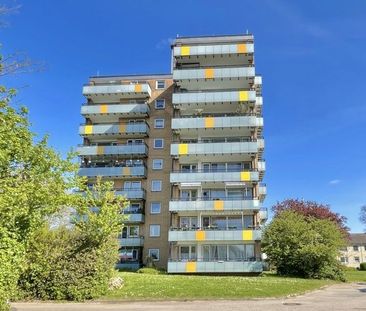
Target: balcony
111 113
114 130
213 176
131 241
215 266
263 214
262 189
219 148
213 97
115 92
127 150
128 266
214 235
113 172
134 217
228 125
261 166
215 78
217 49
132 194
208 204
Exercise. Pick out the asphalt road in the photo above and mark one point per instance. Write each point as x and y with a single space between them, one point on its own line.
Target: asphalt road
335 297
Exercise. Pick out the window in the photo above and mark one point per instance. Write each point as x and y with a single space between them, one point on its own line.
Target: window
133 231
156 185
158 143
355 248
159 123
357 259
160 84
344 259
157 164
160 104
132 185
155 207
154 254
154 230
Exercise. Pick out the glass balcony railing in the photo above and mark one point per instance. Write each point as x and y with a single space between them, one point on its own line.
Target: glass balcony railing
128 150
213 234
212 148
123 90
135 129
221 204
116 109
214 97
215 49
131 241
215 266
234 175
214 73
132 194
124 172
216 122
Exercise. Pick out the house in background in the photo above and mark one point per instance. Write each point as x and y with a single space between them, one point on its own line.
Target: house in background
355 252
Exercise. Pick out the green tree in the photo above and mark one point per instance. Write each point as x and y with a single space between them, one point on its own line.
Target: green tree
303 246
34 180
76 262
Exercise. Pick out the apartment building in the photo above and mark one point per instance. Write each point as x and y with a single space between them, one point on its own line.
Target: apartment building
355 252
187 151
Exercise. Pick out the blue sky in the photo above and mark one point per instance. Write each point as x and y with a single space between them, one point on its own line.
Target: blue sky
311 55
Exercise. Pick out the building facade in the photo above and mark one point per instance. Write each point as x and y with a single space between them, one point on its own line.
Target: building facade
355 252
187 151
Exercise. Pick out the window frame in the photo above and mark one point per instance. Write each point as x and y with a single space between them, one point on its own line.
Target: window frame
162 125
158 253
154 226
160 182
151 207
154 161
159 100
157 85
162 143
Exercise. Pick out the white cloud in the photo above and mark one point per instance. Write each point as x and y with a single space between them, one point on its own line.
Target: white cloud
334 182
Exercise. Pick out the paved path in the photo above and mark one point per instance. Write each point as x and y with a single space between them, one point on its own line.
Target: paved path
335 297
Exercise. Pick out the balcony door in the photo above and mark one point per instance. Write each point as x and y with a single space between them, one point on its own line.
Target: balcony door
187 252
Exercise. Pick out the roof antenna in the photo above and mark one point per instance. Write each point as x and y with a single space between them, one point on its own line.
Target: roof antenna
97 73
247 32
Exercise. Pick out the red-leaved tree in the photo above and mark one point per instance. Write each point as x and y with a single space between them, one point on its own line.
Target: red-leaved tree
312 209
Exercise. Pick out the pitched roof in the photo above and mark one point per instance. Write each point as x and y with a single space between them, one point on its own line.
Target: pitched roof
358 238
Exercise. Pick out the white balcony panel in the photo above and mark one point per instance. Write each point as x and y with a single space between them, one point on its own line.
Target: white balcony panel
119 110
125 172
215 205
113 93
135 218
209 123
261 166
215 267
139 241
214 235
217 49
216 148
122 150
132 194
213 97
213 177
123 130
213 73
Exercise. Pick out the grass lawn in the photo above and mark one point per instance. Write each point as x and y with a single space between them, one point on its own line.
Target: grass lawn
139 286
355 276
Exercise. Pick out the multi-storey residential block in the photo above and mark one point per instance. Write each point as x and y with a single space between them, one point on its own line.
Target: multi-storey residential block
187 150
355 252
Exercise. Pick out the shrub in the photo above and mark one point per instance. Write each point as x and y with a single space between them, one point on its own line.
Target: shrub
363 266
62 266
301 246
